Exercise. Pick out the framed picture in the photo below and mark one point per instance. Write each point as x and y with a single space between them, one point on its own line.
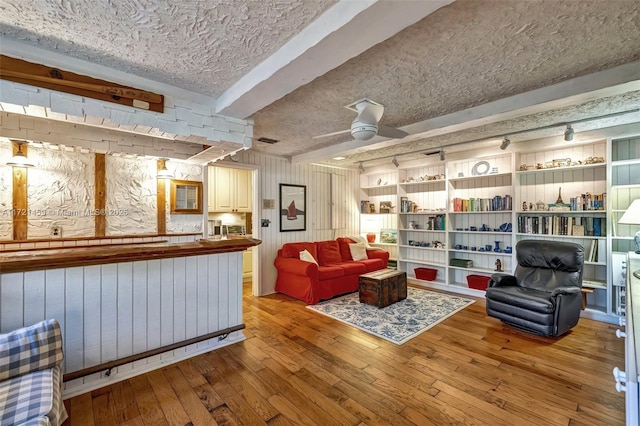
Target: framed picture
293 207
388 236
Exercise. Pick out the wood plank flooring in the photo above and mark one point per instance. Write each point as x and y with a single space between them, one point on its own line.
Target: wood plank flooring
299 367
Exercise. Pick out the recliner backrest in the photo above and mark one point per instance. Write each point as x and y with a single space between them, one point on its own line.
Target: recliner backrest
546 265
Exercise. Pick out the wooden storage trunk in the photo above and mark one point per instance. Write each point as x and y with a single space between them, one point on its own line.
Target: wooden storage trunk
382 288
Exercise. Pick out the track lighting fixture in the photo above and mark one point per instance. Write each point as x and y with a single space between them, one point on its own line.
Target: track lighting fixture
442 155
20 160
568 134
361 167
395 162
505 143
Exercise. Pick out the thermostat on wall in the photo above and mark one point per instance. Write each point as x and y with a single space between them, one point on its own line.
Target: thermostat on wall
268 204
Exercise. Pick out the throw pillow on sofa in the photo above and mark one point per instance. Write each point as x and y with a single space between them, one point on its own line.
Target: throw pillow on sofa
328 252
358 251
307 257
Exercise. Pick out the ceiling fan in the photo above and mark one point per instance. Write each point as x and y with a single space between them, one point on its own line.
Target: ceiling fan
365 126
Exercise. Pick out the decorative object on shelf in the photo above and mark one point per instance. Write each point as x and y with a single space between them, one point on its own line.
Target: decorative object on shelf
559 200
293 200
386 207
481 168
541 206
562 162
594 160
371 237
488 247
438 244
539 166
372 208
496 249
388 236
498 265
508 250
632 217
379 181
524 206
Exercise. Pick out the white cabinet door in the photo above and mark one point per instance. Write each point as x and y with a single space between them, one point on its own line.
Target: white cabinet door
224 190
231 190
243 190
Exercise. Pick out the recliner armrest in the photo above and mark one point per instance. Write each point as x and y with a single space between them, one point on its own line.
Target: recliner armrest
565 290
502 280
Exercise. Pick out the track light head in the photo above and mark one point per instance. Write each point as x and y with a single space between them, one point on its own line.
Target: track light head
568 134
505 143
442 155
361 167
395 162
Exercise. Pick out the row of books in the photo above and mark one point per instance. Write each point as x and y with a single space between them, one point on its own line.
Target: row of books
589 202
436 223
496 203
562 225
594 251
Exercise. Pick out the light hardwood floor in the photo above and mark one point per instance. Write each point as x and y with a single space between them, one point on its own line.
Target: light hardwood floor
299 367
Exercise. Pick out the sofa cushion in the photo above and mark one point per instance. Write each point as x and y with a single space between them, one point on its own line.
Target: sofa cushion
330 272
34 397
373 264
358 251
294 249
352 268
345 252
307 257
328 252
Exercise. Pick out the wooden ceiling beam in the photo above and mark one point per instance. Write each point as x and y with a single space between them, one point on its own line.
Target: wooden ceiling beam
33 74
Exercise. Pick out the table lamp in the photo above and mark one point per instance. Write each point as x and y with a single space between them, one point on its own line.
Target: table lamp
632 217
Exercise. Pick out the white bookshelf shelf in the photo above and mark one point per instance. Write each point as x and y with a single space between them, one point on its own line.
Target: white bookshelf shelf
561 169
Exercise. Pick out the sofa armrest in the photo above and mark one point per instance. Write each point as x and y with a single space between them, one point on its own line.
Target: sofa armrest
37 347
502 280
378 254
296 267
566 290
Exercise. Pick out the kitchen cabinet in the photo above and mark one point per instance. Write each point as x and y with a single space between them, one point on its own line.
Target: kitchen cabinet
230 190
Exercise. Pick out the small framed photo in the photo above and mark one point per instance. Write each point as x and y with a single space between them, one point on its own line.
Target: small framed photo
389 236
293 207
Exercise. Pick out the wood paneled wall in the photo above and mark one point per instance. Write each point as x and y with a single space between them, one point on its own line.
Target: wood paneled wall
116 310
272 171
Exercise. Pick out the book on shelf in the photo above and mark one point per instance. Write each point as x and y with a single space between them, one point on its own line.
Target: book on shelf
562 225
497 203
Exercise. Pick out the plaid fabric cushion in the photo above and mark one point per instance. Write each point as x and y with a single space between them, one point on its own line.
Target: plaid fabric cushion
33 399
36 347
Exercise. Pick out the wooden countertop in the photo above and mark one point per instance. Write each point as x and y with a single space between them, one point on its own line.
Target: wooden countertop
34 260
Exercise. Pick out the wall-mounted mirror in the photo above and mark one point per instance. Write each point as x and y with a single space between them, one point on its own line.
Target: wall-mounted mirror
186 197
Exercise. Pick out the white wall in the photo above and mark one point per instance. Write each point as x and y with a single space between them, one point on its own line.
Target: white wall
61 193
273 171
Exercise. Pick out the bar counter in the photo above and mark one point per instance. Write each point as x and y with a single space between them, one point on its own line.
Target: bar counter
126 309
34 260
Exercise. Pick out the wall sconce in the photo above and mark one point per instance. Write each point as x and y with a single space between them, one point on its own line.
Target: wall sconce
163 172
568 134
442 155
505 143
361 167
19 159
395 162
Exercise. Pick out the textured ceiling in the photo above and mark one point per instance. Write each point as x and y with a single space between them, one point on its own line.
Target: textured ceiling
463 55
199 45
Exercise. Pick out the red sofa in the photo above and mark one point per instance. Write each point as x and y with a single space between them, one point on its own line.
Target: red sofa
336 272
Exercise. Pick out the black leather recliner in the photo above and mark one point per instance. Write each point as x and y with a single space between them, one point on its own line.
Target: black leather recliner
544 295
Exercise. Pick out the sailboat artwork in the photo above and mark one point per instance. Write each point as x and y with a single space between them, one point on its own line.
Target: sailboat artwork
291 211
293 207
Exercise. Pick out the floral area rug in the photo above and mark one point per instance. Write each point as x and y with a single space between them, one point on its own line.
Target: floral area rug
399 322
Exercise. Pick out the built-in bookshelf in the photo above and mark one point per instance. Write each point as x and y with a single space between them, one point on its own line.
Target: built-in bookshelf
465 217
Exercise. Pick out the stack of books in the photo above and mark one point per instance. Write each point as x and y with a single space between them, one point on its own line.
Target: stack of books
463 263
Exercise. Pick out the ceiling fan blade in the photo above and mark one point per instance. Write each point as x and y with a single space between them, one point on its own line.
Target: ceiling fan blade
391 132
326 135
369 112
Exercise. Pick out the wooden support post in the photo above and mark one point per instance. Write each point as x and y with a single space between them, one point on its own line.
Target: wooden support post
162 202
100 195
20 204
